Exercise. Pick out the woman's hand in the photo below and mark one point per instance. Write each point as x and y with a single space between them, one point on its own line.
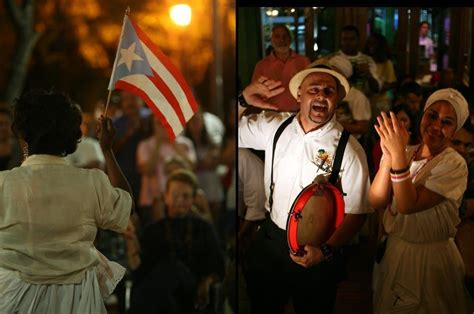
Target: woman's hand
387 157
105 133
393 136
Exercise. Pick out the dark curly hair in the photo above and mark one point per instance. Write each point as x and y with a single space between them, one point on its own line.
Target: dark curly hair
49 121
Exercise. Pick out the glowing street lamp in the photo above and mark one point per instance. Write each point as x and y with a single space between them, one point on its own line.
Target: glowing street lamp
181 14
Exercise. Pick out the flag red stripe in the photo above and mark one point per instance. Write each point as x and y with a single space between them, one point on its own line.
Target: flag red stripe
165 61
166 91
140 93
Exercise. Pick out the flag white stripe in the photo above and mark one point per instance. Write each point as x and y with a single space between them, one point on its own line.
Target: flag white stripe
169 80
143 82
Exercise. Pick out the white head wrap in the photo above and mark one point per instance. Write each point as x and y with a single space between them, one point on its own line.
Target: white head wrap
456 99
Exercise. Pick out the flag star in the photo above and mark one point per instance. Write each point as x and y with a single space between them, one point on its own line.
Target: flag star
128 55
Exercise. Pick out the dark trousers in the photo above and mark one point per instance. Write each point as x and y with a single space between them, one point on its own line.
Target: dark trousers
273 278
169 288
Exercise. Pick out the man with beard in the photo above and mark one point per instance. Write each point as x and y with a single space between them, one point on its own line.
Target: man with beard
275 275
281 64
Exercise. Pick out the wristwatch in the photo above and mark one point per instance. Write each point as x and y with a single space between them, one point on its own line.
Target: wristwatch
328 252
241 101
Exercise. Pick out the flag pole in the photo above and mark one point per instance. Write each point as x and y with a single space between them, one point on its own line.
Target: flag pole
127 12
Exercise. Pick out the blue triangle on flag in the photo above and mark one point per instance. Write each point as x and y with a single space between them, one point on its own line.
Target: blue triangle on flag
131 56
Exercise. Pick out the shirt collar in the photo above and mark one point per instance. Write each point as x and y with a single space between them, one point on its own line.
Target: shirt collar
291 56
331 124
347 56
44 159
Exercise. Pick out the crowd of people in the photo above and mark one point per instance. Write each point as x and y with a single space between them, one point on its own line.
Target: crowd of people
405 177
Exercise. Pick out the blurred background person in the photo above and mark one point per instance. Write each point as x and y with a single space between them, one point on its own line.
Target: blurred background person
200 204
251 212
151 155
208 156
281 64
10 151
377 47
354 111
364 75
227 164
88 153
180 256
425 41
132 127
462 142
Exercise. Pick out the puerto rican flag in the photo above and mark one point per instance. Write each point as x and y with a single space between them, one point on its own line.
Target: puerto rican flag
142 69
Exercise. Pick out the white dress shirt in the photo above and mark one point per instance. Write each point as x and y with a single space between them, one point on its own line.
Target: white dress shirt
296 158
251 201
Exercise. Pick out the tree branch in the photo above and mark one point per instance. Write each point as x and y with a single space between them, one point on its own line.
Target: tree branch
15 12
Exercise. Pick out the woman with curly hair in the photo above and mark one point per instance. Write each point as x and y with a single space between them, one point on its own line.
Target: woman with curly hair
50 212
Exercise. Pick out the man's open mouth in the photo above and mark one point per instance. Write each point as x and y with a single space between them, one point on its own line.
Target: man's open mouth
320 107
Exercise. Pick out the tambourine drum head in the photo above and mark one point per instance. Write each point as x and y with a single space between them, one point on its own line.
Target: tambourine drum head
315 214
318 215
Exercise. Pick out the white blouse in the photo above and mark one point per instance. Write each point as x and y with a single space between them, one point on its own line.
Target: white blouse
49 215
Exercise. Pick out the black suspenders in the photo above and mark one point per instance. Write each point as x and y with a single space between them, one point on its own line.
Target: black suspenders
336 166
275 139
337 160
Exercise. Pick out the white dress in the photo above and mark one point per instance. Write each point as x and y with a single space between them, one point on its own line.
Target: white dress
18 296
422 270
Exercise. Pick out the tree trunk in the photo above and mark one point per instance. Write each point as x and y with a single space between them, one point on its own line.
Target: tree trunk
19 65
23 19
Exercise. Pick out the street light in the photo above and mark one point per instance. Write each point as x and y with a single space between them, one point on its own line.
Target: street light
181 14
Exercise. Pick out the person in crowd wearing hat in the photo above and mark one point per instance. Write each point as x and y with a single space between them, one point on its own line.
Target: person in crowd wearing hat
420 189
353 112
305 149
281 64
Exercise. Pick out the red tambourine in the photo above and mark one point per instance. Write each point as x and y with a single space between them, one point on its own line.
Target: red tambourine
314 216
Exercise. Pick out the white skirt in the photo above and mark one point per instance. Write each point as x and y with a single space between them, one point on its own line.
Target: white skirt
18 296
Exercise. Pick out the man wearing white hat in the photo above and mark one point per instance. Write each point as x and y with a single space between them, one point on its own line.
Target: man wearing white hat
305 149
